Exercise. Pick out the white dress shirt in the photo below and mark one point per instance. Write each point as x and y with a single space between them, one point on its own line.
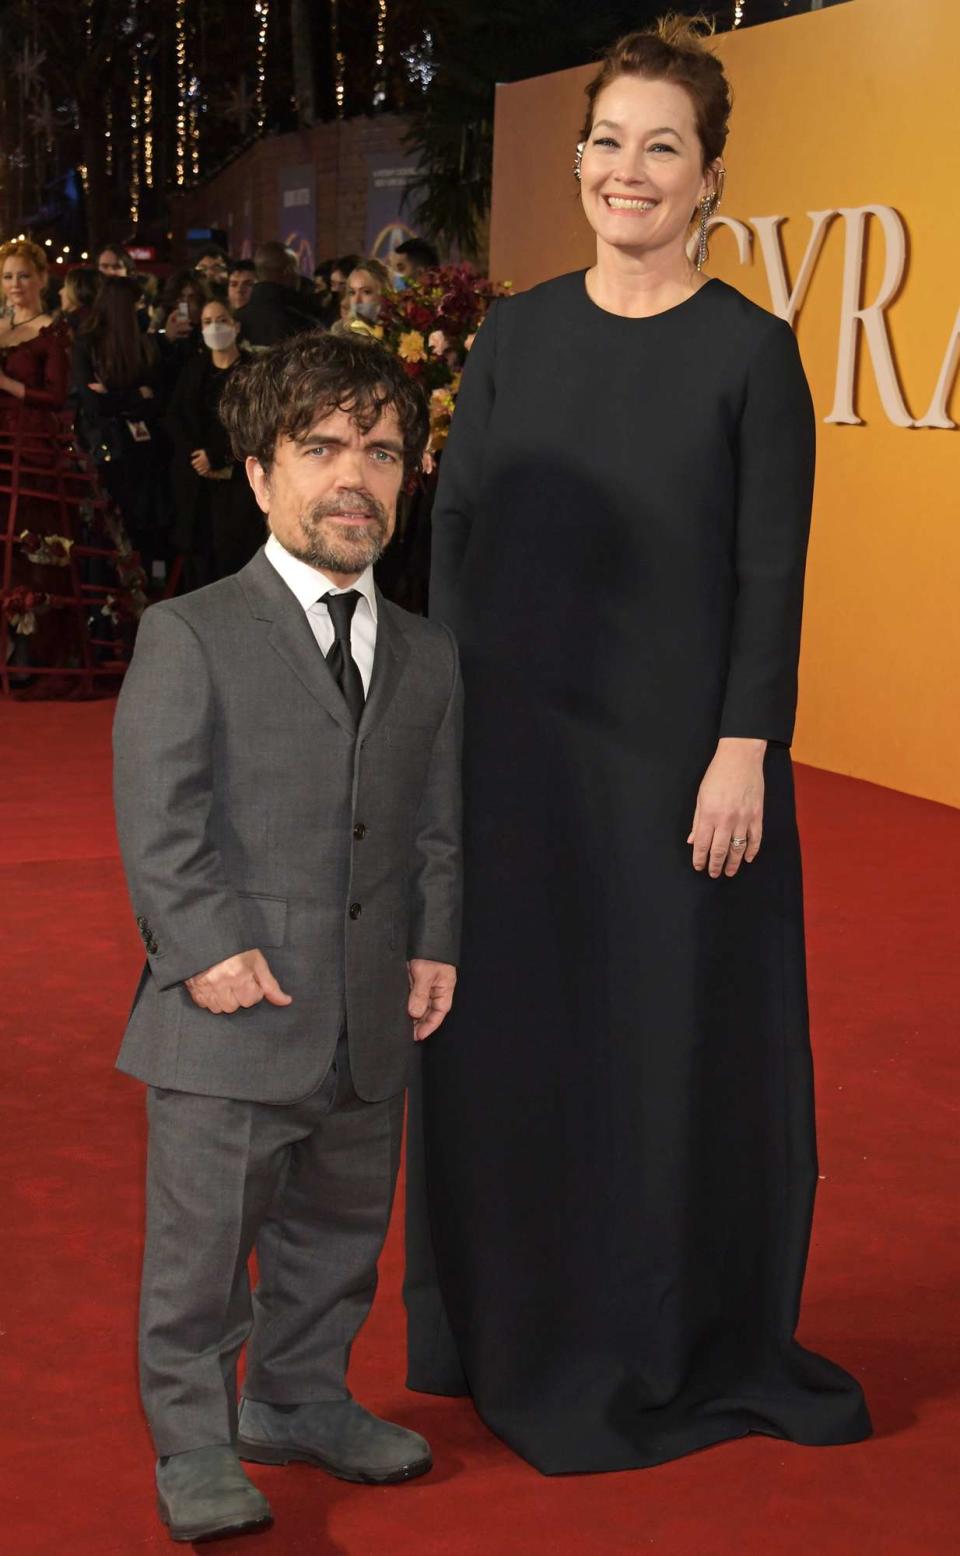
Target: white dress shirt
310 585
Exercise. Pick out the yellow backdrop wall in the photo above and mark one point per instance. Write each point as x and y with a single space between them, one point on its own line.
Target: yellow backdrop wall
835 112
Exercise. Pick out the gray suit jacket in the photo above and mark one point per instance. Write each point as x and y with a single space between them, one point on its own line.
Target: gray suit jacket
252 814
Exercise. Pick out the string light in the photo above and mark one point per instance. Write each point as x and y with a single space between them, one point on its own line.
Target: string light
180 36
148 130
338 56
135 139
108 137
261 11
380 84
739 6
193 124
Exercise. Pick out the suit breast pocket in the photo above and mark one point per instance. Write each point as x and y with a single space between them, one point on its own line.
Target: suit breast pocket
265 918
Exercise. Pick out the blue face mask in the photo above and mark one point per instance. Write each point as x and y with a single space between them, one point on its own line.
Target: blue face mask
399 283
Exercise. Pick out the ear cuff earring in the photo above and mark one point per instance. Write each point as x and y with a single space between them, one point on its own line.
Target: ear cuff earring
577 160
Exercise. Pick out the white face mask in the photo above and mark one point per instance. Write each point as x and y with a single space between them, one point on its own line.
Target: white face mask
366 308
219 337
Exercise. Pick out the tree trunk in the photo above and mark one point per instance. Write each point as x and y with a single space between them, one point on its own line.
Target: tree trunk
97 194
304 76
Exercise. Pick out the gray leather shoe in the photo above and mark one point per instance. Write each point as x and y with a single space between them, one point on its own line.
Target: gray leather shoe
339 1436
204 1494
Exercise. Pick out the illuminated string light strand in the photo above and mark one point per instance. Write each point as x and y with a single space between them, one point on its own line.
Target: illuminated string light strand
340 63
135 91
379 78
148 130
739 6
180 36
193 126
261 11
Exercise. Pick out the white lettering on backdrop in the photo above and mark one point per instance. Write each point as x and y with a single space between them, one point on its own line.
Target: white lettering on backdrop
856 318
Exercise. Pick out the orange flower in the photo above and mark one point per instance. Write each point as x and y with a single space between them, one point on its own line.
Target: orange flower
411 347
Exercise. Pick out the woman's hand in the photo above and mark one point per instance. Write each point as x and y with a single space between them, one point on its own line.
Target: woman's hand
200 462
729 806
12 386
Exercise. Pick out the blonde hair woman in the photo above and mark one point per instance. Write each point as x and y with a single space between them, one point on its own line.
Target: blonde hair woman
34 365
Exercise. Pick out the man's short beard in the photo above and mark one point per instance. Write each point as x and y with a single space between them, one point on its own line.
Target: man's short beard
332 555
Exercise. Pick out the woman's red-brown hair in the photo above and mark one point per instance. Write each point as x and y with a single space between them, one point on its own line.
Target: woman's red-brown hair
673 50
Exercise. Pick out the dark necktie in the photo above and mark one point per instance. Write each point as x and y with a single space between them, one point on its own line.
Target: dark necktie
342 664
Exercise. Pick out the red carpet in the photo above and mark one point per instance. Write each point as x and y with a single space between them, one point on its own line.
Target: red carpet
75 1460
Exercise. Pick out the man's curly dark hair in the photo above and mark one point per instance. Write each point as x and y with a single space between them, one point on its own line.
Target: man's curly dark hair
286 390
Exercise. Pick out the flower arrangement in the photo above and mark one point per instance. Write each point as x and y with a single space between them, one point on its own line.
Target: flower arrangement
430 325
21 607
47 550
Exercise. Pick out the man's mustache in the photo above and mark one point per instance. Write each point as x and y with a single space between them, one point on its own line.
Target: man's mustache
368 506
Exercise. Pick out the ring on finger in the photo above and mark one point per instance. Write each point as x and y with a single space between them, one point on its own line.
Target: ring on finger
738 842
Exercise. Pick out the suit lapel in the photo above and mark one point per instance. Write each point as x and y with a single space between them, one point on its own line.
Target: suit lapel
290 636
389 660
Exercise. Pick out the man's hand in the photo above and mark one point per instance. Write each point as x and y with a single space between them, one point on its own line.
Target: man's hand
729 806
431 995
238 983
200 461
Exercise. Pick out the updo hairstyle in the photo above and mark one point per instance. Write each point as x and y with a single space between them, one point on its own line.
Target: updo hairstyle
22 248
672 50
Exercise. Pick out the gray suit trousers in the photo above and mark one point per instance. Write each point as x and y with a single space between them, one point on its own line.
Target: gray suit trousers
311 1185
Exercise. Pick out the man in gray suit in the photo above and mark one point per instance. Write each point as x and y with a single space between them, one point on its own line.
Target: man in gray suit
287 795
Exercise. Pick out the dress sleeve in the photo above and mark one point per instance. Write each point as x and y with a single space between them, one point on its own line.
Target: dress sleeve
460 469
775 468
51 394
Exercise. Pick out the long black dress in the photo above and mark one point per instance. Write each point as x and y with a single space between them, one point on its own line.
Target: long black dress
617 1119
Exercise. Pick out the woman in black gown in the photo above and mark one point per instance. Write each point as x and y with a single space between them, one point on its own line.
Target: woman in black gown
617 1121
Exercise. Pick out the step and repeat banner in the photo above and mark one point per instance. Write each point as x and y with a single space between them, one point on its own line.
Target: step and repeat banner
841 214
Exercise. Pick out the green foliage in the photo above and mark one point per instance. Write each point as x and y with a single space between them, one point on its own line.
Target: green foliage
474 45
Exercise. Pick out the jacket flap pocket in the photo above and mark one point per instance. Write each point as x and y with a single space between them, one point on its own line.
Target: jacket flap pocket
265 917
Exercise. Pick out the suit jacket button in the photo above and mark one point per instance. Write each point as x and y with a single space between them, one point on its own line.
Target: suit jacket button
359 831
355 910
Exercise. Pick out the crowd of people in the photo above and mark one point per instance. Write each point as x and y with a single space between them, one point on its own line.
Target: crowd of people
141 363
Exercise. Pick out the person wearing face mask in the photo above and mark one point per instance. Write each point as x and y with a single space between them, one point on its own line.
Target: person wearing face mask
366 288
217 527
410 259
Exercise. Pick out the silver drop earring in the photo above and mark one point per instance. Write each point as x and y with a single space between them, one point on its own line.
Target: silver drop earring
706 211
577 160
708 205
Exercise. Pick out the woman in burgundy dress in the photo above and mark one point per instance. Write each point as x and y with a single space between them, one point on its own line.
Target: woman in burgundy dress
34 380
34 361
